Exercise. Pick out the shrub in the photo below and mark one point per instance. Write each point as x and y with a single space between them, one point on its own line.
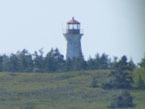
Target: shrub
140 83
94 83
106 86
119 79
123 100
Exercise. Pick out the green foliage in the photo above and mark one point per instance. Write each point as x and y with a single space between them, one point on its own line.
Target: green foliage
104 61
54 61
131 65
123 100
5 63
38 61
142 63
25 61
91 64
49 62
124 65
140 83
68 65
78 63
1 63
114 63
120 78
13 63
99 62
137 72
93 83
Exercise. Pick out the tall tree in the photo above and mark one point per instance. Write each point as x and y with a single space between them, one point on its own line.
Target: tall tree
59 60
25 61
114 63
142 63
13 63
122 64
1 63
104 61
68 65
123 100
131 65
53 61
140 83
121 79
49 62
91 64
5 63
38 61
79 63
97 61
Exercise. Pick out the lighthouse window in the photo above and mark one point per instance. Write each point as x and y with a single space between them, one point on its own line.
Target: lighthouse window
70 26
75 26
78 26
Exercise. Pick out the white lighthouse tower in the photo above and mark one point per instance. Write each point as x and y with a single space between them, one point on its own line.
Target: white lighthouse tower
73 37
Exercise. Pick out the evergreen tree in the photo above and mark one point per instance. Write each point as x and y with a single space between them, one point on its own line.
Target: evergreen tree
140 83
93 83
122 64
104 61
97 61
114 63
13 63
79 63
123 100
59 60
91 65
121 79
142 63
1 63
5 63
25 61
68 65
54 61
49 62
131 65
38 61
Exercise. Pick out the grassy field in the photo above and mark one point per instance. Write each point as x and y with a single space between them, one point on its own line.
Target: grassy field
70 90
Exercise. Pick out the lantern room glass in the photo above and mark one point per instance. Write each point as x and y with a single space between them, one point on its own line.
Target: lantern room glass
74 26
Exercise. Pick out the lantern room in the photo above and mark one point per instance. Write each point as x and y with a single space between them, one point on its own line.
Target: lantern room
73 26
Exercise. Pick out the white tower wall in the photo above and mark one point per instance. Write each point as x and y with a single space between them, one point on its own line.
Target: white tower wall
73 45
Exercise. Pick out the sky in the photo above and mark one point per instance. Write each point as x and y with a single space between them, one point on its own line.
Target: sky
114 27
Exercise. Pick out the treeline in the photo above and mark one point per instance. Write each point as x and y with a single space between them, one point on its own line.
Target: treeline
142 63
54 61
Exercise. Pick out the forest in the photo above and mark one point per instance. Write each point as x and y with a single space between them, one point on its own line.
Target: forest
54 61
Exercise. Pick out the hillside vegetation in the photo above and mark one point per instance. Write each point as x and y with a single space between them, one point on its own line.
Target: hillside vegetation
69 90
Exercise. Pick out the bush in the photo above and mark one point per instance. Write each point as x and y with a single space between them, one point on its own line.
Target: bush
123 100
94 83
119 79
140 83
106 86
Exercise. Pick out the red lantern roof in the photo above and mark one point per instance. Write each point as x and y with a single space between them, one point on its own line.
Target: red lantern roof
73 21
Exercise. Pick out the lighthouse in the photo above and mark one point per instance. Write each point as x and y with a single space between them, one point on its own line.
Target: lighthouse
73 38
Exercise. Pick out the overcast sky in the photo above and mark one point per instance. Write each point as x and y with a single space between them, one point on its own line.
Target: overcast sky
114 27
